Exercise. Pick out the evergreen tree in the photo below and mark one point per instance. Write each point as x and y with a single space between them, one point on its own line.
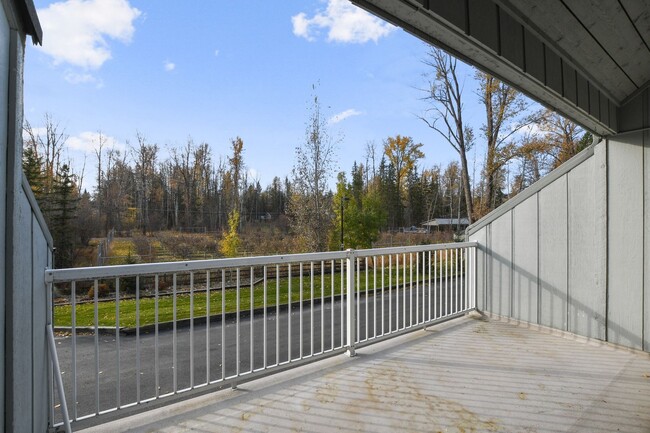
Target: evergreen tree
62 215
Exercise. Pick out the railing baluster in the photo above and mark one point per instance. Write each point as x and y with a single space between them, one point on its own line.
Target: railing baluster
447 303
382 294
417 288
174 336
96 322
322 306
289 313
366 264
237 288
277 314
374 296
74 350
429 285
301 289
457 282
117 344
191 330
251 321
390 294
436 309
207 327
342 292
351 310
137 338
402 300
357 297
264 306
155 359
223 324
474 276
411 287
311 308
332 304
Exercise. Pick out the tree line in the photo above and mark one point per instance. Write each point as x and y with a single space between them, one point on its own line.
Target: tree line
193 189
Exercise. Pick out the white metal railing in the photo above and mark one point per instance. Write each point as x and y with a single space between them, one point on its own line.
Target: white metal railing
187 327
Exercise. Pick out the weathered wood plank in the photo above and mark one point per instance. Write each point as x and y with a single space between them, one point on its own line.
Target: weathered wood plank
609 24
553 64
512 39
577 44
484 23
534 56
569 85
452 11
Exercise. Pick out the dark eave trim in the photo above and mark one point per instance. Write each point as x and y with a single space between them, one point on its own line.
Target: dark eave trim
567 91
29 18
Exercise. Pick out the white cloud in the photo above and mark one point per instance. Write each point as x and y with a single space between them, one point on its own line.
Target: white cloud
343 22
169 66
344 115
73 77
88 142
77 31
216 53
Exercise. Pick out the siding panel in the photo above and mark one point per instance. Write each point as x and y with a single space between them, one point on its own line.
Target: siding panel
501 261
586 299
553 254
625 228
525 290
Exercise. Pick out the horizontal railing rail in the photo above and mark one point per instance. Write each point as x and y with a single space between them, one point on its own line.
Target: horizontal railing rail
189 327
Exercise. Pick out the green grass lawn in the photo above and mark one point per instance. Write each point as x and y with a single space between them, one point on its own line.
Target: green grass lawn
106 310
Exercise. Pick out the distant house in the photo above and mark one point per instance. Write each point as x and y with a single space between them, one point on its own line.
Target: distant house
443 224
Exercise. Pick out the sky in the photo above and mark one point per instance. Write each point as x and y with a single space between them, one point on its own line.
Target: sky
215 70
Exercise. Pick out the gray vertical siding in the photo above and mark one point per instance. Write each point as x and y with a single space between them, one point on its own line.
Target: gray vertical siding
553 254
21 380
500 264
525 249
625 239
586 315
26 251
40 260
4 102
573 251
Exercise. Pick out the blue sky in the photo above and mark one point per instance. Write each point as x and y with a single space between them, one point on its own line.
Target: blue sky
214 70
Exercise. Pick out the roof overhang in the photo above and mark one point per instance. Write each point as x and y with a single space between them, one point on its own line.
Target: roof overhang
586 59
22 15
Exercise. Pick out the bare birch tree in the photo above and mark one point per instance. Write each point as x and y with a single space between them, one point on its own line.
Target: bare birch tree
314 164
445 115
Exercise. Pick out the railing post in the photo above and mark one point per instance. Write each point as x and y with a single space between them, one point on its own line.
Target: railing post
475 276
351 322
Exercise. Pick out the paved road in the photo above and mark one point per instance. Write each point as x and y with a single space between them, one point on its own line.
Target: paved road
191 347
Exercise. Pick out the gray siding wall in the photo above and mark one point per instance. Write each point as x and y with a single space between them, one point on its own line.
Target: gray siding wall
4 102
26 247
573 251
525 247
626 230
553 254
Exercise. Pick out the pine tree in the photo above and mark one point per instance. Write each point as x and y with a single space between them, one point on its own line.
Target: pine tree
62 215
